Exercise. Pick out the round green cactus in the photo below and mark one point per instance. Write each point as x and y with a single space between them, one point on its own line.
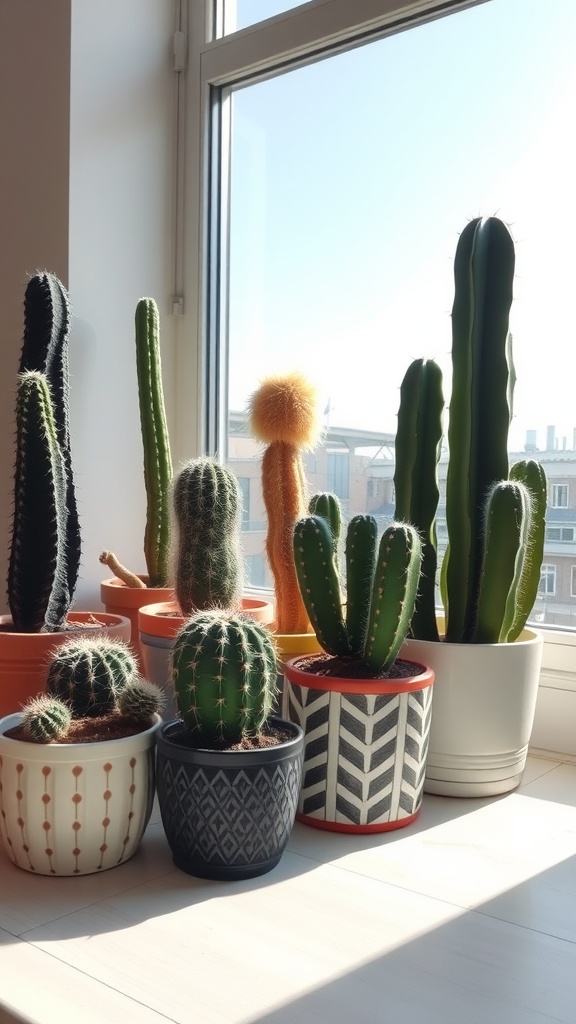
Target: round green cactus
224 673
46 719
140 700
89 673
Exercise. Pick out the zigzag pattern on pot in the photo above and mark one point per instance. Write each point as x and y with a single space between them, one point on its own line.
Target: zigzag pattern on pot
376 774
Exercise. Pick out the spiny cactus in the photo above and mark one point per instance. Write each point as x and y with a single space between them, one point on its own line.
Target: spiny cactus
37 580
284 415
139 700
208 514
224 675
46 719
45 348
382 583
157 459
89 674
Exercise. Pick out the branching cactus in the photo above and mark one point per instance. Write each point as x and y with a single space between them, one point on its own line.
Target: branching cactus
370 623
284 415
90 673
157 459
224 674
208 516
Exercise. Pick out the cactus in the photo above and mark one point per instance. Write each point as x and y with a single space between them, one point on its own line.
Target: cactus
45 719
37 581
382 584
283 415
139 700
157 459
224 675
89 674
208 513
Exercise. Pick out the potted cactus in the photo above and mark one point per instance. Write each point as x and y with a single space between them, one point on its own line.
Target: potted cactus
207 514
229 772
45 547
77 763
487 661
126 592
365 711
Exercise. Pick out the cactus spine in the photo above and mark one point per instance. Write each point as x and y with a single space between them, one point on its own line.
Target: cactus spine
283 414
224 674
89 674
208 512
382 583
157 459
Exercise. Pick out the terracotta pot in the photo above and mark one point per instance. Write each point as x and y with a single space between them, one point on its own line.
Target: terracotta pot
484 705
365 747
158 625
77 808
119 599
24 656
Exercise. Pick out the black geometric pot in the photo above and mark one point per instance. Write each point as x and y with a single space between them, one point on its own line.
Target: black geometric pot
228 814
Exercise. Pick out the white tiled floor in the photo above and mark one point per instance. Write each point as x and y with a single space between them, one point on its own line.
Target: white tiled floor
467 916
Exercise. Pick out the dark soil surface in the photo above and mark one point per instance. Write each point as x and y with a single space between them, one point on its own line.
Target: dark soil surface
349 668
91 730
270 736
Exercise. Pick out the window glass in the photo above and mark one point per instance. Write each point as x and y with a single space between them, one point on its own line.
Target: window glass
241 13
350 180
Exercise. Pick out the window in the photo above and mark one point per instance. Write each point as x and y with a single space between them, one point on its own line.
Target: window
343 166
564 534
244 482
548 580
559 496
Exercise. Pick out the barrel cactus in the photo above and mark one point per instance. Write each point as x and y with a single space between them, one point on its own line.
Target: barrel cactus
369 621
89 674
46 719
224 674
207 503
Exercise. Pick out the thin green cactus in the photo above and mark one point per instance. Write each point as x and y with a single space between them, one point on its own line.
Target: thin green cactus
156 444
90 673
207 503
382 583
46 719
224 673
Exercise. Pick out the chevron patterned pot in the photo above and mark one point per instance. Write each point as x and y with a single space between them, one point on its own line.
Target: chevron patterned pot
365 747
228 814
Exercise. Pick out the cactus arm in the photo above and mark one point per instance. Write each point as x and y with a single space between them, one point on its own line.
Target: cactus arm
282 489
393 595
37 584
478 428
156 445
120 571
327 505
532 475
319 583
418 442
361 541
505 531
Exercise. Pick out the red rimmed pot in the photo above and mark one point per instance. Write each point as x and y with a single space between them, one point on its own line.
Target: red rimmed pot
365 746
118 599
158 625
24 657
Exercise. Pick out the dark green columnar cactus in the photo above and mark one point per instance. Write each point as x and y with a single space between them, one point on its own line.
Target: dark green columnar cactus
207 503
371 623
156 444
224 674
37 580
90 673
45 348
418 445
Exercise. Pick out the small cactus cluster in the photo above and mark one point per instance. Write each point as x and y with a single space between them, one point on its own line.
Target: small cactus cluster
224 674
370 621
89 678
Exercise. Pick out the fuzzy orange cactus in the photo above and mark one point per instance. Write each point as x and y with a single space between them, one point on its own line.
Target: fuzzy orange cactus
284 415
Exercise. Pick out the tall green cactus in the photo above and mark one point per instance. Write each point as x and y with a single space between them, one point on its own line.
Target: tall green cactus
155 440
382 584
88 674
208 515
37 582
224 675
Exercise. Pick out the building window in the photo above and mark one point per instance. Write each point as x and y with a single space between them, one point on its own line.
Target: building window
563 534
339 474
559 495
548 580
244 482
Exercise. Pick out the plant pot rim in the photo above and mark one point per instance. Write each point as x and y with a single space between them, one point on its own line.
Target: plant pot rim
59 750
210 754
529 635
78 618
423 678
164 618
113 583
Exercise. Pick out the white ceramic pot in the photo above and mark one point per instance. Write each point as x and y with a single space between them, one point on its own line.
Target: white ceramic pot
78 808
482 713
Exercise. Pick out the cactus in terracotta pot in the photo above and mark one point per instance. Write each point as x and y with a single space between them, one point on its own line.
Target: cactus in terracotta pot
224 674
284 415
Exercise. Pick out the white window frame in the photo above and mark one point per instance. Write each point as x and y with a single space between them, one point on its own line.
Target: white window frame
549 571
299 36
555 491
